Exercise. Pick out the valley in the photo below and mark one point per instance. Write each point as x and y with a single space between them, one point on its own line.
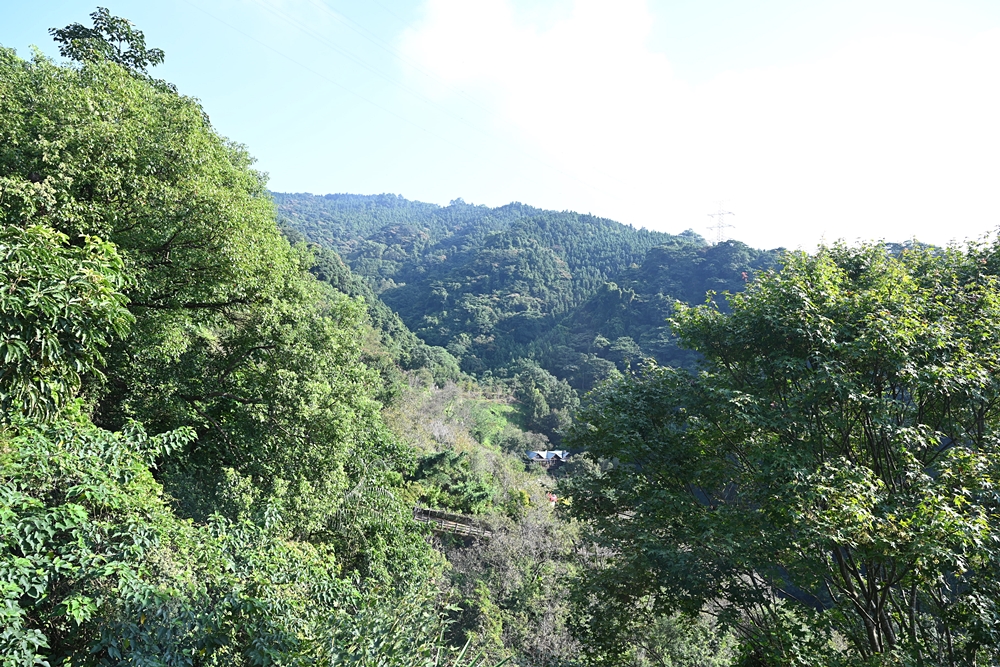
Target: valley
257 428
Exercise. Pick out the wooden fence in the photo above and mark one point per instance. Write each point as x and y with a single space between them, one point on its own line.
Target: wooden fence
450 522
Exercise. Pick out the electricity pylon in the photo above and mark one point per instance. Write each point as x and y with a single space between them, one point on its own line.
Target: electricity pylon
720 223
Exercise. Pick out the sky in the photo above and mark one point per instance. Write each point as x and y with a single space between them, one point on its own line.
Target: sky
808 121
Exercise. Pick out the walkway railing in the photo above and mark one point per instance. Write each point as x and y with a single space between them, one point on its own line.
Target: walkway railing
450 522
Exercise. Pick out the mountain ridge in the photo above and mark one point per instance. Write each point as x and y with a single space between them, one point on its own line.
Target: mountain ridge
497 286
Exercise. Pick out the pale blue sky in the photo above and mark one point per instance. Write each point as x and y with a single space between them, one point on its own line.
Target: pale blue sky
812 120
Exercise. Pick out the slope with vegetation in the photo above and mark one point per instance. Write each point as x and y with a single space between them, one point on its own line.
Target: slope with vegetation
214 431
825 486
626 320
580 296
145 288
483 282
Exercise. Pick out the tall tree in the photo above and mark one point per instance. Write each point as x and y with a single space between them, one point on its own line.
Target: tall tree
231 335
112 38
826 483
59 307
139 246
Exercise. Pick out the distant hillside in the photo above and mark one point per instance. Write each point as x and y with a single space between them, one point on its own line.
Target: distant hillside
581 296
626 320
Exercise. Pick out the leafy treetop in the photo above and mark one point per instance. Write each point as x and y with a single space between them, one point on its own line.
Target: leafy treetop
827 481
112 38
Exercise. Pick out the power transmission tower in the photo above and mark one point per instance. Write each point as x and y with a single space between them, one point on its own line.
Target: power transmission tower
720 223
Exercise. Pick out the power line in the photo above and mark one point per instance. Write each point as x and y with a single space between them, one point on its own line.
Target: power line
390 13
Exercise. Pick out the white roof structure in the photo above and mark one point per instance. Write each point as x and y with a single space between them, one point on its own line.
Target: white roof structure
548 455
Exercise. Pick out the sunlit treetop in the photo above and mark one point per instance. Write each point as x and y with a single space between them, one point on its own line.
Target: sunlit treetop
112 38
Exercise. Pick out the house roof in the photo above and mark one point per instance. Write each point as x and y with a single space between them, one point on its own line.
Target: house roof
548 454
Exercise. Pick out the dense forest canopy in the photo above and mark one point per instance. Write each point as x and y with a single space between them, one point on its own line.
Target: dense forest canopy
240 427
581 297
825 485
148 289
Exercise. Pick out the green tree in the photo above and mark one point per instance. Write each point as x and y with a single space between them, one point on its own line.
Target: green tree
59 307
231 336
115 192
446 480
112 38
546 403
826 483
96 569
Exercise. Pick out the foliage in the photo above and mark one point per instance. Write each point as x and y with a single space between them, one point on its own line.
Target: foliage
460 434
116 191
59 306
96 569
405 350
826 482
625 322
679 641
546 403
232 336
484 283
108 39
446 481
511 591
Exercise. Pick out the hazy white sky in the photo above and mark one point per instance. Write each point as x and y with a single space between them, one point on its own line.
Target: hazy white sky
811 120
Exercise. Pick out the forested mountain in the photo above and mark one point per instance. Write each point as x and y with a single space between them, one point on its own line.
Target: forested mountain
212 440
219 445
392 242
825 485
625 320
580 296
